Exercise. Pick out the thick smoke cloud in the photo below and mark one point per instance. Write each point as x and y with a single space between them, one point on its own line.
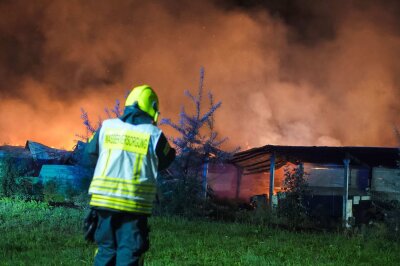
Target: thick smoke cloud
288 72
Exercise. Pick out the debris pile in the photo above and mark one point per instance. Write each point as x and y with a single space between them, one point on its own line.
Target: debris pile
49 165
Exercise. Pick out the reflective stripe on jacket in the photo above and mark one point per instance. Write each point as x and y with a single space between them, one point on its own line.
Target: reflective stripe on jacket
125 173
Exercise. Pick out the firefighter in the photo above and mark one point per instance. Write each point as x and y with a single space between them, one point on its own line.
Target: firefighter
128 151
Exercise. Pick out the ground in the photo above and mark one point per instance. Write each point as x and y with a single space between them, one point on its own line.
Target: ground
36 234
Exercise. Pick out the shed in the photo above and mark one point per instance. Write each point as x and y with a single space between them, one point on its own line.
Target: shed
329 161
338 176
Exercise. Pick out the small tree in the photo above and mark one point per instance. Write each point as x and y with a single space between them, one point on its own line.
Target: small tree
292 206
387 208
197 145
90 127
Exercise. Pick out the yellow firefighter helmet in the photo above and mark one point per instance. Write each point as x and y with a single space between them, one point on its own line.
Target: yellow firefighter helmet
146 100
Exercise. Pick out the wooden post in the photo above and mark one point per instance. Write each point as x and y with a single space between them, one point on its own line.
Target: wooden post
271 178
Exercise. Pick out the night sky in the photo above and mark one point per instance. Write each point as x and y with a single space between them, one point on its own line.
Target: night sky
288 72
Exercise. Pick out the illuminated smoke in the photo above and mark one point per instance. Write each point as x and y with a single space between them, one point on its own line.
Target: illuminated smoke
328 77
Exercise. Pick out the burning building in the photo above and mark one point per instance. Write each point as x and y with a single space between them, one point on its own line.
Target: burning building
341 179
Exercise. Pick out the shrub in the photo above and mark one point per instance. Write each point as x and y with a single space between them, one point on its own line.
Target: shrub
292 207
29 188
389 213
16 180
81 200
51 192
181 197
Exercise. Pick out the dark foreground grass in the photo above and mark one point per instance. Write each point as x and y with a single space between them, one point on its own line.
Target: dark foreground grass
34 234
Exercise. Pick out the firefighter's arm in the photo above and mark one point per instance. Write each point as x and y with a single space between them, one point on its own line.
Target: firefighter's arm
91 152
165 153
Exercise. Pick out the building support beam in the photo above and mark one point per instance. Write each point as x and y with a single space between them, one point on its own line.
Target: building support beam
271 179
204 181
346 206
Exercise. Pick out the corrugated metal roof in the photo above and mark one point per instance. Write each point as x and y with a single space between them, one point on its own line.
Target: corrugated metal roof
257 160
44 154
14 152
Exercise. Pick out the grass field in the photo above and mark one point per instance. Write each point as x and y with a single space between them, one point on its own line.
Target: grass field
34 234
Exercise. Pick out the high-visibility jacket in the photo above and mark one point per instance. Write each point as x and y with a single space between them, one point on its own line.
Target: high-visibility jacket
126 170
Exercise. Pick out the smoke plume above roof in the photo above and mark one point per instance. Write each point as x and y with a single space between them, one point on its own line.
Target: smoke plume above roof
287 72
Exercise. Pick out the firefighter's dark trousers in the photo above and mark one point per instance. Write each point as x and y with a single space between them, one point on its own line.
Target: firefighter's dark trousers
122 239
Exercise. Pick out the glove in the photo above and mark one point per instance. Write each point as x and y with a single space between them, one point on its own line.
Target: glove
90 225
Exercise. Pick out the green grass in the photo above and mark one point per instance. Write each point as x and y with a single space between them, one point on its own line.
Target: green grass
33 234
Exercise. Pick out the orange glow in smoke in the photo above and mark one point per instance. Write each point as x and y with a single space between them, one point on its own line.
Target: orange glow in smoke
275 89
